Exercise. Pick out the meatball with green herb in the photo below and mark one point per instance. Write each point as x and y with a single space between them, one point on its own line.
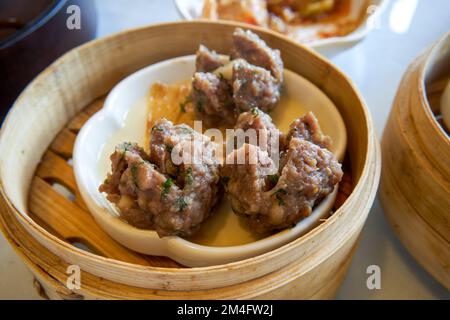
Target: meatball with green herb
167 192
273 196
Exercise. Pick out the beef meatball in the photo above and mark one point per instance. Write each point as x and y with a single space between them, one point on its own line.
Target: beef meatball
212 98
254 87
208 60
253 79
260 125
158 191
248 46
272 197
244 176
307 128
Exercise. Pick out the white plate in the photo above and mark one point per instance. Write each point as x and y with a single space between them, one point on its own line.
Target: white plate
102 129
192 9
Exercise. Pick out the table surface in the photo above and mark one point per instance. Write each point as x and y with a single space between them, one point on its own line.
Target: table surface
376 65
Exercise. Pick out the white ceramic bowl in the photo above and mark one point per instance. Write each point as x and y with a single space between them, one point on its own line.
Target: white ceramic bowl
192 9
104 125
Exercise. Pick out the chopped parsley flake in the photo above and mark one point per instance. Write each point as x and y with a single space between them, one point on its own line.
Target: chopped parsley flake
180 203
189 179
255 112
166 187
278 195
157 128
183 104
273 178
199 106
126 146
185 130
134 172
225 180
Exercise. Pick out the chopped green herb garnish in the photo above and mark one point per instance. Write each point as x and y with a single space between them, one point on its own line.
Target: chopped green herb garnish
278 195
280 191
188 178
273 178
134 172
166 187
181 203
169 148
157 128
199 106
126 146
106 181
225 180
255 112
185 130
183 104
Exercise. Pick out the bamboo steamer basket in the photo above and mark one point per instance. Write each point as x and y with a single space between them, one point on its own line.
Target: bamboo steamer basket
415 182
37 139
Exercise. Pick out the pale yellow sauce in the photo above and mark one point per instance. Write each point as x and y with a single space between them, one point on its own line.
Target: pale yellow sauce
223 228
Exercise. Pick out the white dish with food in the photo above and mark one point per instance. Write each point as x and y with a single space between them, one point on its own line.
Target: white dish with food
124 117
338 29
